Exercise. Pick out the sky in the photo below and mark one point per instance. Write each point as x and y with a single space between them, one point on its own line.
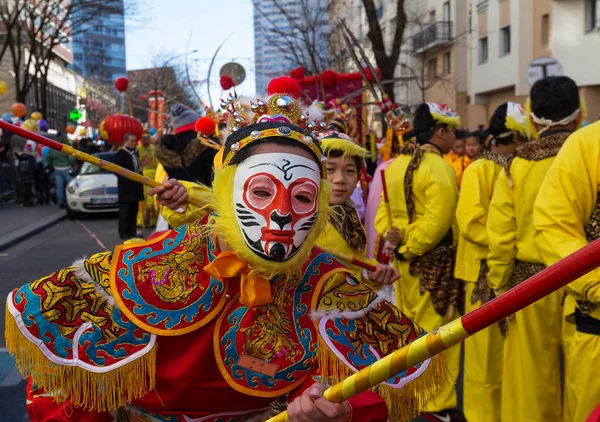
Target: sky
163 27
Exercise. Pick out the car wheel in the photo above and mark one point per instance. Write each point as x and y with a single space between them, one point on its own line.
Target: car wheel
71 215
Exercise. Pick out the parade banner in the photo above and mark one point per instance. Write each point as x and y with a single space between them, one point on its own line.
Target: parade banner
152 109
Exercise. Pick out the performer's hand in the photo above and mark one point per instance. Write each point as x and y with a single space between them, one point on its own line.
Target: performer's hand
384 275
172 194
312 407
394 237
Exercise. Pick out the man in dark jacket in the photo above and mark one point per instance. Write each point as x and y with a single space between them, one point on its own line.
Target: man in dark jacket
130 192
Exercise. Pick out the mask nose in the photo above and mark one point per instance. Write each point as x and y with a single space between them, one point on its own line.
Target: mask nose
281 220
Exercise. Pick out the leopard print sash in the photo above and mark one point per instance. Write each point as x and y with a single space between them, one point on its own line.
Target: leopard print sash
523 271
492 156
537 150
434 269
347 222
484 293
592 232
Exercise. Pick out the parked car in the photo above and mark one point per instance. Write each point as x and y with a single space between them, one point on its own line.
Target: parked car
94 190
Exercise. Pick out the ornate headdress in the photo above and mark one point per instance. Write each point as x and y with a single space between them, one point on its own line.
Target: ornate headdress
270 207
516 120
337 141
442 114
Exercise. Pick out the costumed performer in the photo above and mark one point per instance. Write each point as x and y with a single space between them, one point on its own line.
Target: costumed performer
567 216
534 334
344 231
422 200
483 352
232 317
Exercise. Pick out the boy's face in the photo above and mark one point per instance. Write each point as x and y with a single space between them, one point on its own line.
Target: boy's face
473 147
343 175
459 147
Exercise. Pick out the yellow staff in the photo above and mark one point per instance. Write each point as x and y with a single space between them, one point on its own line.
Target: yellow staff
519 297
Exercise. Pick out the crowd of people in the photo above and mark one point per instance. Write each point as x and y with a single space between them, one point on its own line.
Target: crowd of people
272 280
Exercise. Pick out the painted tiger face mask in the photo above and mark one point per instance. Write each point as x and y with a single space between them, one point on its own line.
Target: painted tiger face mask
275 198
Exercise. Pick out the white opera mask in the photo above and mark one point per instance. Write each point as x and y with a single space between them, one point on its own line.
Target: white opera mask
276 199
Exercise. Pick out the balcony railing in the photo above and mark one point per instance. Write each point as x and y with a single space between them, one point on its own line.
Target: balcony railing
432 35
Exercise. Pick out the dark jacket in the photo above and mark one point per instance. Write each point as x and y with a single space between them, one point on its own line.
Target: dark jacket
129 191
28 167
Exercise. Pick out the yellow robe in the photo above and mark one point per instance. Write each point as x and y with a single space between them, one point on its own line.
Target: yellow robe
435 197
531 388
566 201
484 351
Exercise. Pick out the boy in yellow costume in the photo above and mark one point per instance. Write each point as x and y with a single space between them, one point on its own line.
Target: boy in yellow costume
473 146
483 352
531 389
566 218
422 201
344 232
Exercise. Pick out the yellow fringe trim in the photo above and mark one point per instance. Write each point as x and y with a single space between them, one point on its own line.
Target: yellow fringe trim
92 391
403 403
347 147
453 122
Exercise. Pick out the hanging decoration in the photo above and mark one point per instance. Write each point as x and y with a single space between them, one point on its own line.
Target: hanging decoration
114 128
37 116
70 129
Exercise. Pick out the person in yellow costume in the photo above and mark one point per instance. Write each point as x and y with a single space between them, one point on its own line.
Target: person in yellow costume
483 352
422 202
531 389
147 213
344 234
566 217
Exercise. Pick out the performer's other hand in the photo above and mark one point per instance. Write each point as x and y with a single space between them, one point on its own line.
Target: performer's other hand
394 237
312 407
172 194
384 275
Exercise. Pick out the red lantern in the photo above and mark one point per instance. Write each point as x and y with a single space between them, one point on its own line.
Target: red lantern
70 129
122 84
19 109
114 128
143 97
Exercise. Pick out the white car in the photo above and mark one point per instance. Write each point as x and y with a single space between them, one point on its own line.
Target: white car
94 190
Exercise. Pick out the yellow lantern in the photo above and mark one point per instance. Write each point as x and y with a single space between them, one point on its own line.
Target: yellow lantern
3 87
37 116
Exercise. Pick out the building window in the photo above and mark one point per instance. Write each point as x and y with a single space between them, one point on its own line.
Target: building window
447 63
545 30
592 15
483 50
505 41
432 16
447 11
432 68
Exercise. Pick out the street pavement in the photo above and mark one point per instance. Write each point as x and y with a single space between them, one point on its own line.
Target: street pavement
32 258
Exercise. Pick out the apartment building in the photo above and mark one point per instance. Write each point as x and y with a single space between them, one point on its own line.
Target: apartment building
287 17
507 35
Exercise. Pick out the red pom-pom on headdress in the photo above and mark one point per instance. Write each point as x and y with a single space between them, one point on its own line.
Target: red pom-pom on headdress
284 85
205 125
122 84
227 82
297 73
